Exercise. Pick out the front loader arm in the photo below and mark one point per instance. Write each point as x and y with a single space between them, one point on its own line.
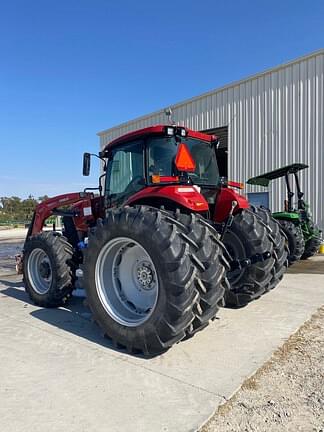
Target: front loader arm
48 207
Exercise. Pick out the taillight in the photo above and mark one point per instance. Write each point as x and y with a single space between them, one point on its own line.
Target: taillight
157 178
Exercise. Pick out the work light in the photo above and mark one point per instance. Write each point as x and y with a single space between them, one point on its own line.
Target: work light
182 131
170 130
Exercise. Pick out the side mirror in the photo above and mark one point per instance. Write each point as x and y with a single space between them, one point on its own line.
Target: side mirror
86 164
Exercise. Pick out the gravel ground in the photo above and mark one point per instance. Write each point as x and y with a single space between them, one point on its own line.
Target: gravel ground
286 394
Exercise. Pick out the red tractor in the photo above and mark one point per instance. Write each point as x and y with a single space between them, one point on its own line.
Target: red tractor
151 245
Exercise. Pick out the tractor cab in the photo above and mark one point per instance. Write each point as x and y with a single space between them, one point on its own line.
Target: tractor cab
169 166
161 163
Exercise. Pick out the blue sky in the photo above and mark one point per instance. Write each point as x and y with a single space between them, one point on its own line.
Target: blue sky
69 68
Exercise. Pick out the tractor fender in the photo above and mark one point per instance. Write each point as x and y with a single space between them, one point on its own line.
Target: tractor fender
186 196
224 201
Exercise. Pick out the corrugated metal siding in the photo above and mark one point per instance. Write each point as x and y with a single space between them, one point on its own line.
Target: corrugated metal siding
274 118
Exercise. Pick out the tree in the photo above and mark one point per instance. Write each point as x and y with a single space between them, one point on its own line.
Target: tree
14 209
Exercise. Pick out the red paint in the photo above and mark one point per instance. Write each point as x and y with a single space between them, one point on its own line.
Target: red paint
224 203
186 196
184 161
83 208
235 184
44 209
153 130
201 136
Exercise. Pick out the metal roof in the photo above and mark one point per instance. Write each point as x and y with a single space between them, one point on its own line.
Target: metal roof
219 89
265 179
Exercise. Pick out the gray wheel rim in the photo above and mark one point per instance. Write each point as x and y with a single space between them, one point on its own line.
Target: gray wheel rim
126 281
39 271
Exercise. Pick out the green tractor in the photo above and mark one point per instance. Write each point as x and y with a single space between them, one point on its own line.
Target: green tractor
304 237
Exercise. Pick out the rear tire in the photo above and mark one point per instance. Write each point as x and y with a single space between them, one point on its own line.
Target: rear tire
311 247
248 236
296 242
48 271
173 256
211 282
279 243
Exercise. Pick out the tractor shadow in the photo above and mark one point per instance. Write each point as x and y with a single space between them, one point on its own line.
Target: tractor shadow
313 265
74 318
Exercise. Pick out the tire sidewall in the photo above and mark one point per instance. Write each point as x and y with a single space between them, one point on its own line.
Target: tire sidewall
295 237
292 240
255 238
154 320
44 245
236 234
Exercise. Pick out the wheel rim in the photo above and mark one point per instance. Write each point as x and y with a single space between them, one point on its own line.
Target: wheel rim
39 271
126 281
236 249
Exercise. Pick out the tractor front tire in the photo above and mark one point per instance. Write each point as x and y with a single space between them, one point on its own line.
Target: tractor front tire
141 272
279 243
248 236
296 242
48 271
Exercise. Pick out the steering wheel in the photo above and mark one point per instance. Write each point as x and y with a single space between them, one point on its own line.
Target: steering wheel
131 187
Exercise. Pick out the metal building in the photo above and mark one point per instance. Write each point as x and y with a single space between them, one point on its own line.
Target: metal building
264 121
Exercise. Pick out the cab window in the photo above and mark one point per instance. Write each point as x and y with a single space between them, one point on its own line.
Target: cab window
125 174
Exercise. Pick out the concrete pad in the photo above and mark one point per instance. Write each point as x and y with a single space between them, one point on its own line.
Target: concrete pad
56 385
231 348
58 373
13 234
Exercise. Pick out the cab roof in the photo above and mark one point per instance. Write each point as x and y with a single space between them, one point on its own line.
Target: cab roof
264 179
157 130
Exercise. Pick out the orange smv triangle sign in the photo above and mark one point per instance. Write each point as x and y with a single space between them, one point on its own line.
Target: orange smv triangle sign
184 160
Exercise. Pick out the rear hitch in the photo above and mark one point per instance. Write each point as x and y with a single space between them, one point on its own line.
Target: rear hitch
246 262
